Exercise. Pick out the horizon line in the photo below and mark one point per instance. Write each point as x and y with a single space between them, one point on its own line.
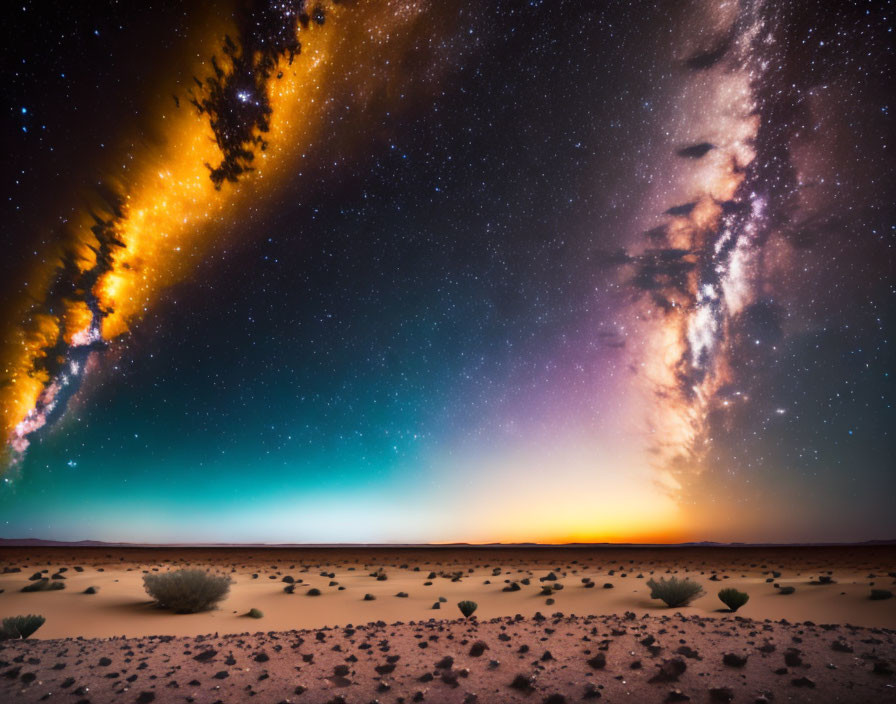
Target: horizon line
41 542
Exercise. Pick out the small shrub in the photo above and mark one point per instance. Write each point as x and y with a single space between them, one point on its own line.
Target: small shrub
16 627
186 591
733 599
91 590
314 591
369 597
467 607
254 613
786 590
674 591
881 594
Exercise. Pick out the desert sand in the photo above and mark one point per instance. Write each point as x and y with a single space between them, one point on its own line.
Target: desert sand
304 639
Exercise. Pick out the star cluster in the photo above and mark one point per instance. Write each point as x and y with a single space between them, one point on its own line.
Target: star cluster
415 271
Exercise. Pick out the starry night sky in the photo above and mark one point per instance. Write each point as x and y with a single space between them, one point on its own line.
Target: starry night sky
462 271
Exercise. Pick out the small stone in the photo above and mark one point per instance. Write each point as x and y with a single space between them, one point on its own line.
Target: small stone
734 660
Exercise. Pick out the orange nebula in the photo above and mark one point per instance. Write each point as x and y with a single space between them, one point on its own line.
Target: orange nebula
171 215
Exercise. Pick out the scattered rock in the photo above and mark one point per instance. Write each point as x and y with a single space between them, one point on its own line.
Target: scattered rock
670 670
734 660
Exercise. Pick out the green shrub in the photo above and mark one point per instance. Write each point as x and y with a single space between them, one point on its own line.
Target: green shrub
733 599
187 591
674 591
786 590
16 627
254 613
467 607
314 591
91 590
881 594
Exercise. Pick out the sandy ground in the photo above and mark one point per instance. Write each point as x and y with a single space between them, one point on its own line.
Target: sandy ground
121 607
823 643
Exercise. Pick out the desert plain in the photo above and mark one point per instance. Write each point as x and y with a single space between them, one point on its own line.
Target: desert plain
552 624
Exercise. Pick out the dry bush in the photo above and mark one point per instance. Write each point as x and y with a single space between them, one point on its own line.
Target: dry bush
674 591
16 627
186 591
467 607
733 599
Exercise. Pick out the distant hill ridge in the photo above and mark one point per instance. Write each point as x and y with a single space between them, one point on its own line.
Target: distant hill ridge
38 542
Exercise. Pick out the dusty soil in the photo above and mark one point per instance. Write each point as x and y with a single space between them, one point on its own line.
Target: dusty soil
553 659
